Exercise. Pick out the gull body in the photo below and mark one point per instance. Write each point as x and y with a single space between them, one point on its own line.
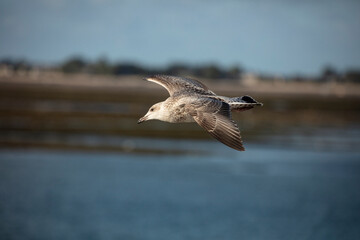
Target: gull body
192 101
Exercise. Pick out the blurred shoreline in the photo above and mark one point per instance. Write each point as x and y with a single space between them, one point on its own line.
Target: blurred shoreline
82 111
135 83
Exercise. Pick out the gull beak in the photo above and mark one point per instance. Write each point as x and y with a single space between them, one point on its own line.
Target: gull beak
143 119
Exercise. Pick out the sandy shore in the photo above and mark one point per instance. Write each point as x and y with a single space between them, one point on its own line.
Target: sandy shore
135 83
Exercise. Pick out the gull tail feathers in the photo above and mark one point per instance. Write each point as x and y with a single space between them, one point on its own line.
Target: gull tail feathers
243 103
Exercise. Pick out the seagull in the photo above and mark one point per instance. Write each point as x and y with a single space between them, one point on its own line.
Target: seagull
191 101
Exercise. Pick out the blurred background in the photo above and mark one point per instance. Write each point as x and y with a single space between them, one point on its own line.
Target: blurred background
75 165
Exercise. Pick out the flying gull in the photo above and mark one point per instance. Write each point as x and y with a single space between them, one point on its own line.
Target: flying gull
192 101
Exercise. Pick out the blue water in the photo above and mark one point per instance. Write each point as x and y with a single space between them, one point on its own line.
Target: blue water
263 193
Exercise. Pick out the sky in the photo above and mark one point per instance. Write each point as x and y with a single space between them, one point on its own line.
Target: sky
277 37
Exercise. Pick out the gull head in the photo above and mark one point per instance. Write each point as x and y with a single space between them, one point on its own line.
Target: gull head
155 112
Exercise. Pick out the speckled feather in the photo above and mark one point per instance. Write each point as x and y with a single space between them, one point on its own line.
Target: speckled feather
190 101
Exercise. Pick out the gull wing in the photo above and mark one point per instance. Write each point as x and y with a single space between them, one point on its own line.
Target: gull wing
178 84
215 117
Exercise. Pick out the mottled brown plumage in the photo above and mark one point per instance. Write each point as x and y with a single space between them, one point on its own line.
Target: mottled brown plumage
192 101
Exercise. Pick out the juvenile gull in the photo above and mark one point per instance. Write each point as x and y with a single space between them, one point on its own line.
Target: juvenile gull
192 101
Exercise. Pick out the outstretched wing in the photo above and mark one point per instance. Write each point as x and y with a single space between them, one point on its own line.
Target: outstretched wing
215 117
178 84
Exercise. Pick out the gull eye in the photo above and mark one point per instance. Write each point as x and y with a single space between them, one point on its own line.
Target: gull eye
151 109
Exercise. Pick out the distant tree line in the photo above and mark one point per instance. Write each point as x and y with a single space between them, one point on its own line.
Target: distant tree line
102 66
211 71
16 65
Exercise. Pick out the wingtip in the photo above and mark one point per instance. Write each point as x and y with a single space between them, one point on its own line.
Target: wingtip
151 77
147 78
240 147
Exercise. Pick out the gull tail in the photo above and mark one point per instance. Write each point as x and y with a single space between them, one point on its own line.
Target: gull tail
242 103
